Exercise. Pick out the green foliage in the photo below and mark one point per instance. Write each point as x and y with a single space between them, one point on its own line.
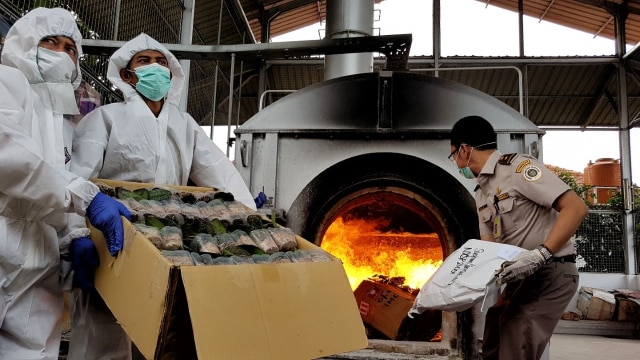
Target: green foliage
600 236
616 201
584 191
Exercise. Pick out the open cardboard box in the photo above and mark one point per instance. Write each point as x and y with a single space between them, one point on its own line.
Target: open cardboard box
383 306
596 304
252 311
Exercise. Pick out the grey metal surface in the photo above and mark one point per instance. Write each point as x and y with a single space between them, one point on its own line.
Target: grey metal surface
348 19
420 104
361 131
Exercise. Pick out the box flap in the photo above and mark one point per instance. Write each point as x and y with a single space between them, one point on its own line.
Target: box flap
285 311
134 274
603 295
136 185
629 293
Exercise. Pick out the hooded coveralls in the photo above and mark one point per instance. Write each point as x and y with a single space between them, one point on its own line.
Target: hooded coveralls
35 189
127 142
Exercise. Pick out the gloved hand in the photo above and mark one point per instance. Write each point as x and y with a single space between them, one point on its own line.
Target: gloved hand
104 213
524 264
260 199
84 261
413 313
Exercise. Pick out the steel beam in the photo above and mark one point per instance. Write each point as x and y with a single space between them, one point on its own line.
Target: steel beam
389 45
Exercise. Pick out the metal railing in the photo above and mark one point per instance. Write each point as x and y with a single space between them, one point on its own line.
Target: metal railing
600 242
262 96
517 70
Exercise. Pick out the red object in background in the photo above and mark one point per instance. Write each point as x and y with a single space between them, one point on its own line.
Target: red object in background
604 175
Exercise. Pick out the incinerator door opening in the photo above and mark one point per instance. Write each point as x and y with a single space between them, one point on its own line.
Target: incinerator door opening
389 245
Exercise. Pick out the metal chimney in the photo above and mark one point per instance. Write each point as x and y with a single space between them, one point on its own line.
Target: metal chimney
346 19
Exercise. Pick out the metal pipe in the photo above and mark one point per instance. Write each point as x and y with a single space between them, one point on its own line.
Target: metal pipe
521 27
186 37
261 102
239 95
240 89
437 47
631 254
578 128
246 23
488 68
348 19
233 64
215 76
116 23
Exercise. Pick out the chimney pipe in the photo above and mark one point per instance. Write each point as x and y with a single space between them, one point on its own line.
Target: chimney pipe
346 19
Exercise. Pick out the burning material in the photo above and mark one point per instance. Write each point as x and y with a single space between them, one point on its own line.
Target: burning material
398 282
367 247
386 268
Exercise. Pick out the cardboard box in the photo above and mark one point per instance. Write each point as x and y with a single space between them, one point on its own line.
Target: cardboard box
596 304
383 307
252 311
628 310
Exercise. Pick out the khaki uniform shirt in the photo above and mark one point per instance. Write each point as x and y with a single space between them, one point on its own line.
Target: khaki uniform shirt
514 199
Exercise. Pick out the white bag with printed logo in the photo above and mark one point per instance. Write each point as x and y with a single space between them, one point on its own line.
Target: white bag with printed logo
465 277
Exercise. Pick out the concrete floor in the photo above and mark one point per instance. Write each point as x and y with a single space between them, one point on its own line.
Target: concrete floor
563 347
621 344
587 347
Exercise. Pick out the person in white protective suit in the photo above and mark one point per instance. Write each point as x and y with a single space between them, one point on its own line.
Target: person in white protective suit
148 139
38 73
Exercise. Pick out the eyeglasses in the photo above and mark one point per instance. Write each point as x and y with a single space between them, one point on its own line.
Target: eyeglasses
450 157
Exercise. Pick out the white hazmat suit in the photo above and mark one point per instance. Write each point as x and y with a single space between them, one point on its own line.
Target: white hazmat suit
127 142
35 188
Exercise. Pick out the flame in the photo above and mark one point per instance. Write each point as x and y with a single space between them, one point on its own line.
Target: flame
366 251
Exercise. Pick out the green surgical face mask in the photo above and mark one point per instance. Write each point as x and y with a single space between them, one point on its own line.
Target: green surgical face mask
154 81
466 171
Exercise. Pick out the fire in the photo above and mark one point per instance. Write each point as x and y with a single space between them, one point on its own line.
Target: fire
366 251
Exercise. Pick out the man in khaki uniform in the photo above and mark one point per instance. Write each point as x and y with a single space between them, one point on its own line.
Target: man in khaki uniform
520 202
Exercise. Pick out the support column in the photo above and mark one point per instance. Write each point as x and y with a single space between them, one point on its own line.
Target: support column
265 29
231 77
186 37
437 47
215 76
625 148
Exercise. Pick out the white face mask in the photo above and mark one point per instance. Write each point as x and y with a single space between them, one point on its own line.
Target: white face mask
56 67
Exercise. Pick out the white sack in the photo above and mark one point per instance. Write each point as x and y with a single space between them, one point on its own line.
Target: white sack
464 277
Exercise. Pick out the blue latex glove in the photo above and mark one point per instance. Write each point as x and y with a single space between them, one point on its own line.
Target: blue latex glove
260 199
104 213
84 261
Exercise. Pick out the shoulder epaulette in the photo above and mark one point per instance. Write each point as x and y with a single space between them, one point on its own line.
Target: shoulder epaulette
507 159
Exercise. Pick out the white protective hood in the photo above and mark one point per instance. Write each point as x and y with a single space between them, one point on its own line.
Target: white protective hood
122 56
21 46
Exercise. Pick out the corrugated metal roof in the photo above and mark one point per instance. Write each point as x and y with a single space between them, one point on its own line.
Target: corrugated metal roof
557 93
592 16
